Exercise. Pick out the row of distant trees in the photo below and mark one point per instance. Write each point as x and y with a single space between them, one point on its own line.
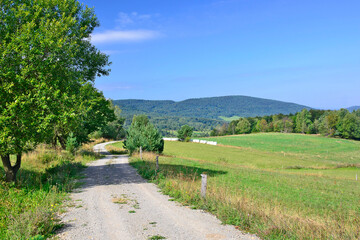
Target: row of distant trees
338 123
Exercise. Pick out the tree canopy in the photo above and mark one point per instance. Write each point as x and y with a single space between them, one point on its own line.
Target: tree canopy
46 61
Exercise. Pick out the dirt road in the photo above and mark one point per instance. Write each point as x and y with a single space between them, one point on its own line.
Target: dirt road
116 203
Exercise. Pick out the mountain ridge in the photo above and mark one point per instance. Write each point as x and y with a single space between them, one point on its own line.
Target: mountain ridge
352 108
208 107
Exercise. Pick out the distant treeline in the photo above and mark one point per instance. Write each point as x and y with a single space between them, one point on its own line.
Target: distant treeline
339 123
168 124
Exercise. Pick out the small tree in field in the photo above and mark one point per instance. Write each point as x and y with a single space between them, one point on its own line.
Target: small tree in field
143 134
185 133
46 58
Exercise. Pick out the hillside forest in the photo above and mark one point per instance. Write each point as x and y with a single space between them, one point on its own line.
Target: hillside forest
203 114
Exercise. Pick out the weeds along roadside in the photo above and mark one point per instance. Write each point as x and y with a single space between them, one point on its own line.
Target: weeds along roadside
268 220
116 148
30 208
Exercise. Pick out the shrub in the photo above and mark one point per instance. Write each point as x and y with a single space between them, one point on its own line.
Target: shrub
142 133
185 132
71 143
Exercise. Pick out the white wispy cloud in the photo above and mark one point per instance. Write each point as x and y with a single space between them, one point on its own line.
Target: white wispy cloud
115 86
124 36
125 19
111 52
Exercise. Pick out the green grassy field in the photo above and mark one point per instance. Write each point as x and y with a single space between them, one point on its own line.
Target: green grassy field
117 144
338 158
336 149
229 119
280 186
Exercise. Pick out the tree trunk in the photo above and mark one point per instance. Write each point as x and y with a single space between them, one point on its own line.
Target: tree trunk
62 142
54 142
11 171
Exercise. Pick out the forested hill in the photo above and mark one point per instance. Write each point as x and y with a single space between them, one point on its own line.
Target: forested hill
353 108
210 108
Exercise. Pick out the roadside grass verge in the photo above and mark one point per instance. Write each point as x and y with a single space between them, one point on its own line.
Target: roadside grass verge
256 196
116 148
30 208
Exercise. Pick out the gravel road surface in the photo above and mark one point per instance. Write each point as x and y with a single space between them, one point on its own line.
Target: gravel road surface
116 203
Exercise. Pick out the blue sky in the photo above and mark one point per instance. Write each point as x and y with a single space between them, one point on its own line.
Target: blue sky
307 52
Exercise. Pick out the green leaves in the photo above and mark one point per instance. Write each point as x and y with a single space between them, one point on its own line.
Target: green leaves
243 126
47 63
185 133
143 134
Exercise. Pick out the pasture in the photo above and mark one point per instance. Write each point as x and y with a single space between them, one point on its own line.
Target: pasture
280 186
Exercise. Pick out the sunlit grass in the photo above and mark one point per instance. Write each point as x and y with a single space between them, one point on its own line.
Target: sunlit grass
273 192
306 146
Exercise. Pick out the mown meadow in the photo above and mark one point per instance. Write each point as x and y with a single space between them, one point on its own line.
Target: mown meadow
30 208
279 186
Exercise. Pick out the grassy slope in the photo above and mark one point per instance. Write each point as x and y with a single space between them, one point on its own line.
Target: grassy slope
329 156
253 179
229 119
295 143
31 207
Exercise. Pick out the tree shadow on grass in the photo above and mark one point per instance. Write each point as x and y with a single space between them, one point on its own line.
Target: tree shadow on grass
112 170
148 170
115 170
64 174
61 175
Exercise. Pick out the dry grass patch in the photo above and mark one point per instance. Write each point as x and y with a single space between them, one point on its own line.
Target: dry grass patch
120 200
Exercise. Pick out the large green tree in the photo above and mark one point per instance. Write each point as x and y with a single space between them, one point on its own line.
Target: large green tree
115 129
46 58
262 125
351 126
243 126
303 122
327 123
89 110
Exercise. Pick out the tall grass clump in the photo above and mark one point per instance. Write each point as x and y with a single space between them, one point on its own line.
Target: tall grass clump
30 207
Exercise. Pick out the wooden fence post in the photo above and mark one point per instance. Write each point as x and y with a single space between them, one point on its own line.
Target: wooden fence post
203 185
140 152
157 163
